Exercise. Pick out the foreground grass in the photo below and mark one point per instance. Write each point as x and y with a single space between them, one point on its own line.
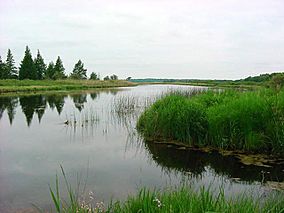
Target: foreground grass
249 121
183 199
179 199
8 86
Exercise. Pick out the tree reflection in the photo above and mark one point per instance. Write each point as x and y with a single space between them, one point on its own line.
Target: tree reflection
31 104
93 95
56 101
79 100
10 104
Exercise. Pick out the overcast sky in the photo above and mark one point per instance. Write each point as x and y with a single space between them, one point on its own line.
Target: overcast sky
206 39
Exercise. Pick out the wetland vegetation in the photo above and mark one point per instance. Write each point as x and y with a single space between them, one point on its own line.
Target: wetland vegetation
250 121
181 199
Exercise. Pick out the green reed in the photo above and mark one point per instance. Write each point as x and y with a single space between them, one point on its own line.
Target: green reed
250 121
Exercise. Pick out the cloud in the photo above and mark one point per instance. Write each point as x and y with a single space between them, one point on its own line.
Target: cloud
162 38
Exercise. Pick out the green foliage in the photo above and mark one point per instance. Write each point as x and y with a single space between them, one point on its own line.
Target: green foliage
8 69
3 70
79 72
94 76
10 66
277 81
113 77
50 71
27 68
106 78
40 66
59 69
249 121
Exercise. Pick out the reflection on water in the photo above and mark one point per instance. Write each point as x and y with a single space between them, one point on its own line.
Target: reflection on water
37 104
194 162
9 104
93 132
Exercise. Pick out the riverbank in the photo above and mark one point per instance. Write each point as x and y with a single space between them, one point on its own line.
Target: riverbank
231 120
17 86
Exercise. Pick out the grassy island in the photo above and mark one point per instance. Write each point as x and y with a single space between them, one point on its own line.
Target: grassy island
251 121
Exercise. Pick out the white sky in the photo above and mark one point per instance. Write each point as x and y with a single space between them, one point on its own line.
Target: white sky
206 39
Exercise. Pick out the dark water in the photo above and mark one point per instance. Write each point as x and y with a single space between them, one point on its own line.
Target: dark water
92 135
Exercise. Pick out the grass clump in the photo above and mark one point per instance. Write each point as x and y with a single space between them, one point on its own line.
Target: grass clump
241 123
248 121
175 117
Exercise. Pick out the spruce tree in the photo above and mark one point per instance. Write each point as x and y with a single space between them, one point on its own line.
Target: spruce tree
94 76
79 72
10 65
106 78
49 74
3 70
40 66
113 77
59 69
27 68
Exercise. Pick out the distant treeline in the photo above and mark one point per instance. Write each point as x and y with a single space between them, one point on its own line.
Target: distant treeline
260 78
36 69
273 79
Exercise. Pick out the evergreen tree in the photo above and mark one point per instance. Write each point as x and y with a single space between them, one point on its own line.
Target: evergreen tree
10 65
59 69
113 77
49 74
79 72
27 68
40 66
106 78
94 76
3 70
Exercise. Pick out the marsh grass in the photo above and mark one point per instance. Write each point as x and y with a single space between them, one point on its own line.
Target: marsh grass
8 86
250 121
180 199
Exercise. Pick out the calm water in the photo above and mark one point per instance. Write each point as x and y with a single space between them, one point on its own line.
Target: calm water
92 135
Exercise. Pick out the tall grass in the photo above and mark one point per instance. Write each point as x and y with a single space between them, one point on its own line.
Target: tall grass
250 121
185 199
175 117
181 199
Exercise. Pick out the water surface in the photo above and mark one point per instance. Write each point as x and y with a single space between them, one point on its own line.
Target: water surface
92 135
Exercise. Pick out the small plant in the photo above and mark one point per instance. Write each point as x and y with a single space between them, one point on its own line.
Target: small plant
74 204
